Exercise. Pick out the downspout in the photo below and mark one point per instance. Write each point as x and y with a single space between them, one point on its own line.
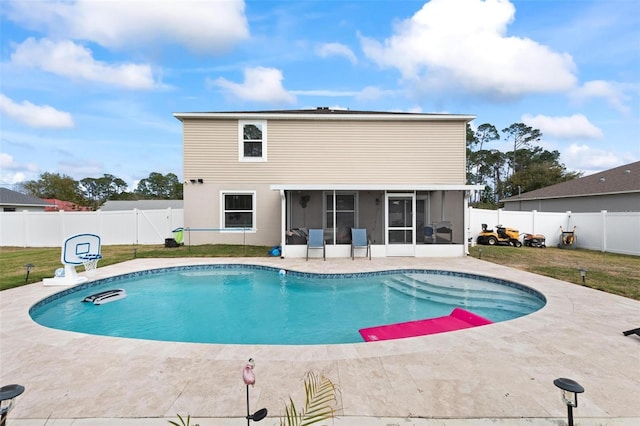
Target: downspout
467 219
283 223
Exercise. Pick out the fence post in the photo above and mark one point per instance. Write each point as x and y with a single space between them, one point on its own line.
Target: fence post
603 214
137 227
534 213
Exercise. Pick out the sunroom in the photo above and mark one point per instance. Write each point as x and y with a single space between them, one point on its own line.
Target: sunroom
416 221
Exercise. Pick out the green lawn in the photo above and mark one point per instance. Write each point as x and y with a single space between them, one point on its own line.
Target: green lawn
613 273
47 260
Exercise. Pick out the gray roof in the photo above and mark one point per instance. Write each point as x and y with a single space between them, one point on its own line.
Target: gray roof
18 199
115 205
620 180
324 113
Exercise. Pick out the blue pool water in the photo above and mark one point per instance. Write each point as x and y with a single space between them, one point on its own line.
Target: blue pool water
244 304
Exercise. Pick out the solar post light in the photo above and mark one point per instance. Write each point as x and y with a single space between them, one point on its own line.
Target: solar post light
249 378
7 396
583 274
29 267
570 390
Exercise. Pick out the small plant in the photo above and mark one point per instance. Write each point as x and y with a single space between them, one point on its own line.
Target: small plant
320 396
182 421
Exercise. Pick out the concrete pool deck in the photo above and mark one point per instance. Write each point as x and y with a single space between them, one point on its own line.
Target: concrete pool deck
499 374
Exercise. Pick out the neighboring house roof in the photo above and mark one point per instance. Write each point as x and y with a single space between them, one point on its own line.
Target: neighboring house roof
323 113
620 180
66 206
114 205
18 199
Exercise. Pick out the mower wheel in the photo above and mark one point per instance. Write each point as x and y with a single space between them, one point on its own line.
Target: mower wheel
492 241
517 243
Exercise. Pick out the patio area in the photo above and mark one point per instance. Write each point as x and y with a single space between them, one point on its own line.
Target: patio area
499 374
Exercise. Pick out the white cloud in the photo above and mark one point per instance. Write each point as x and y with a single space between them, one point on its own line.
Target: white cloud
201 26
260 84
42 116
463 45
336 49
371 93
12 172
599 89
590 160
71 60
325 93
576 126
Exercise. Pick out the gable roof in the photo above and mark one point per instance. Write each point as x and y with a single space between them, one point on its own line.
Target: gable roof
18 199
324 113
57 205
620 180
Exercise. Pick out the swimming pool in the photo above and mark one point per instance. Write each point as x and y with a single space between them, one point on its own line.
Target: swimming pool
249 304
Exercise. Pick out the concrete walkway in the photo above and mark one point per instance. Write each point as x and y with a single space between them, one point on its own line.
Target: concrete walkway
500 374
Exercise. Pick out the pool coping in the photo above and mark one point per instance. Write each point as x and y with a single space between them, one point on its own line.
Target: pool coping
500 371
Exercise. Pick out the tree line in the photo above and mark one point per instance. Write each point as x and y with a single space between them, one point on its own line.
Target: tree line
525 168
93 192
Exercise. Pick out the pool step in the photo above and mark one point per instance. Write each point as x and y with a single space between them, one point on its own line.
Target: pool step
442 284
465 298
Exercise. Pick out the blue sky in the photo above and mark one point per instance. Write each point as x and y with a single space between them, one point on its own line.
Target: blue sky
88 87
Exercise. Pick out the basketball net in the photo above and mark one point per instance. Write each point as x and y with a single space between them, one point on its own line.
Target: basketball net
90 262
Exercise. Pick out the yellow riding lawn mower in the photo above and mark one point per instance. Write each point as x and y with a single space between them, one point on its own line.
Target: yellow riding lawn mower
501 236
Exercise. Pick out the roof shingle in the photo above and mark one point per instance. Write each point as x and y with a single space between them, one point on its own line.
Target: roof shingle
623 179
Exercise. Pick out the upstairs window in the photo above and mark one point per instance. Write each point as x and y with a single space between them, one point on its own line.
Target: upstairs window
252 141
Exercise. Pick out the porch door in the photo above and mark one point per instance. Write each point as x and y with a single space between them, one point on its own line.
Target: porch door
401 236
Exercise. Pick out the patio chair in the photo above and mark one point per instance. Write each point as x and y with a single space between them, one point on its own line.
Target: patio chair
635 331
359 240
315 240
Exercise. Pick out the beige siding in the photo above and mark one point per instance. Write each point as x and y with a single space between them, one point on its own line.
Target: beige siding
202 211
341 152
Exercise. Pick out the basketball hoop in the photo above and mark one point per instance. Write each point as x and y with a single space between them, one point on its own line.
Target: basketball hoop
90 262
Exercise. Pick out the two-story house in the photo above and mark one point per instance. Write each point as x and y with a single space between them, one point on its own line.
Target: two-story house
266 177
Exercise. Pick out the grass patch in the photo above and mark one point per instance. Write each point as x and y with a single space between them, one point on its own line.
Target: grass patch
613 273
47 260
610 272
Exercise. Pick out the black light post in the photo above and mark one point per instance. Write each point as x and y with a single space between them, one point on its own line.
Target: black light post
570 391
7 395
583 274
249 378
29 267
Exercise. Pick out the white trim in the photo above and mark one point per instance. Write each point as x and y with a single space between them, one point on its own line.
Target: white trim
373 187
263 128
322 117
400 249
253 210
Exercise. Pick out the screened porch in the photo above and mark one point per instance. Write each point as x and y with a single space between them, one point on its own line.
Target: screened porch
397 221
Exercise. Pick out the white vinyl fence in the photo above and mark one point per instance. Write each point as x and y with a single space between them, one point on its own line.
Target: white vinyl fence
51 229
603 231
